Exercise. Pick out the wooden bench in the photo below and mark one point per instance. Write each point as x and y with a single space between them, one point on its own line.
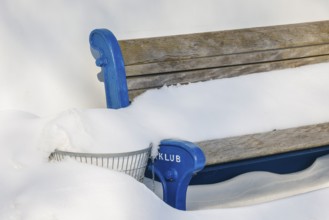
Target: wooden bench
153 62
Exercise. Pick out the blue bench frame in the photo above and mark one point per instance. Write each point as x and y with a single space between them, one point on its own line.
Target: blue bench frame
181 163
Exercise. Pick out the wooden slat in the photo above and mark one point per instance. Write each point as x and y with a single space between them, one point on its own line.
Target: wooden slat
228 60
155 81
134 93
197 51
269 143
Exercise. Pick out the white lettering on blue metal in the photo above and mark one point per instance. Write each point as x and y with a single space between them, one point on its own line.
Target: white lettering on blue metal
175 158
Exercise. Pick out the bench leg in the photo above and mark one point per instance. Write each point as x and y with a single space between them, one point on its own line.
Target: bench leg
175 165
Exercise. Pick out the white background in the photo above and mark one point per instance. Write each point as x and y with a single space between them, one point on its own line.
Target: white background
45 62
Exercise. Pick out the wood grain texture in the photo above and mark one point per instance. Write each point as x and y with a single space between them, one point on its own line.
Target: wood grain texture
227 60
156 81
174 53
262 144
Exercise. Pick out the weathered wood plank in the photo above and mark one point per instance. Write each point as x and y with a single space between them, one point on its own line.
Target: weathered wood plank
227 60
262 144
167 51
134 93
155 81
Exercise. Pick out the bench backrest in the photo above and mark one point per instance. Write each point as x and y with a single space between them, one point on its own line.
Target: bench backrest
154 62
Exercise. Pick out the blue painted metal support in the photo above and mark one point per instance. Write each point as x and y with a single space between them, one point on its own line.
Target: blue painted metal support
175 165
174 188
284 163
106 50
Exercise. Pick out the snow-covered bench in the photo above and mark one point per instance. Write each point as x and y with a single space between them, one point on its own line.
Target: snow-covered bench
153 62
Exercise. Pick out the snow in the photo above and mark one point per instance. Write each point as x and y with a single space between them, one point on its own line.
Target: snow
200 111
33 188
46 69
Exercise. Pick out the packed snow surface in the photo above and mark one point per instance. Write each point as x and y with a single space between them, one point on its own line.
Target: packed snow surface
200 111
33 188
